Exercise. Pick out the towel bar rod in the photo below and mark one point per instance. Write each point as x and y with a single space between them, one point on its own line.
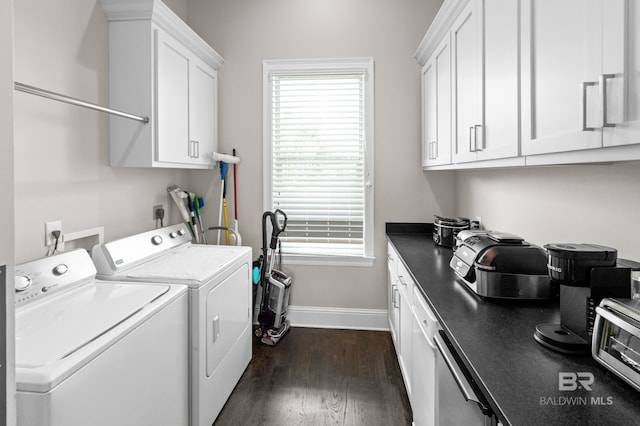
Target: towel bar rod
73 101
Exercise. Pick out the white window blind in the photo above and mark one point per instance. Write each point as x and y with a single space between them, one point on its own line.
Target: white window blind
319 168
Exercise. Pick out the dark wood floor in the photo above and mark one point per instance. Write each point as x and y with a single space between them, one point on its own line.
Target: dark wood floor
321 377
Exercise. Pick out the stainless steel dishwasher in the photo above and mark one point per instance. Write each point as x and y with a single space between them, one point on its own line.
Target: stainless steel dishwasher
458 402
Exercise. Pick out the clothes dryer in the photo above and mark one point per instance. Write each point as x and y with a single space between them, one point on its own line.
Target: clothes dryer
220 314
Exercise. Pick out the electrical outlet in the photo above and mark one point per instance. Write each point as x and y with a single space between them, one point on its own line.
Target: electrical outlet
155 211
49 239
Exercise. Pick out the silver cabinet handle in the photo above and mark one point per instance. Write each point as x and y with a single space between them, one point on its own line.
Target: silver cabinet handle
475 134
435 149
603 97
394 299
472 141
584 86
194 149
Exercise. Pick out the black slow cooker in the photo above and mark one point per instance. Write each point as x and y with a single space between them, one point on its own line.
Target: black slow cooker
445 229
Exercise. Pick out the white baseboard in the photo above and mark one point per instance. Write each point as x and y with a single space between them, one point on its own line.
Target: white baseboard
340 318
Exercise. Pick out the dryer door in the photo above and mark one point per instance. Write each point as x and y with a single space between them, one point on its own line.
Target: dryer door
227 315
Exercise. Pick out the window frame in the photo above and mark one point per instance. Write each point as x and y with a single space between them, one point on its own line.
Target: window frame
324 66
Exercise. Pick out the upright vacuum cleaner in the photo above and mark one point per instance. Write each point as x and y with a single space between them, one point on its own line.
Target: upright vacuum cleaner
275 285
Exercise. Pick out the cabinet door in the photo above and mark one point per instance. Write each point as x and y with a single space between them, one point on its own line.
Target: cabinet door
620 72
499 136
423 383
436 106
393 305
561 61
466 47
406 349
172 100
202 112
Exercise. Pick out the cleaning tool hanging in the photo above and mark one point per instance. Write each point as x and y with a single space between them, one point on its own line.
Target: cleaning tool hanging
179 197
198 203
192 215
225 213
235 196
223 173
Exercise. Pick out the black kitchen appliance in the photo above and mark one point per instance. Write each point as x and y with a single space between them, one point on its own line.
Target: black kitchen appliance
586 273
502 266
445 229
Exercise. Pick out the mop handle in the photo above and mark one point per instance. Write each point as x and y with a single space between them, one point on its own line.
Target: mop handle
235 193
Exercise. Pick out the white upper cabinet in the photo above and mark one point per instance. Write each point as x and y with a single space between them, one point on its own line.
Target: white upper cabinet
203 122
436 106
620 79
160 68
485 81
466 51
561 62
480 38
186 100
580 75
500 136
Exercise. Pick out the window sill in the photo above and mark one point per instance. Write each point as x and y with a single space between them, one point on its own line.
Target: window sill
300 259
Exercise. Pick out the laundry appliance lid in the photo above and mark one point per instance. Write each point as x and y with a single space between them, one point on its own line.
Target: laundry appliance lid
191 265
58 336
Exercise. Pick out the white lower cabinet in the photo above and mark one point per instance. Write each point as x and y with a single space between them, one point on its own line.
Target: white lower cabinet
413 326
393 295
400 314
405 355
423 383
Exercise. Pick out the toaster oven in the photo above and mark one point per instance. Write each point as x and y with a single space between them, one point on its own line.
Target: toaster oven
616 338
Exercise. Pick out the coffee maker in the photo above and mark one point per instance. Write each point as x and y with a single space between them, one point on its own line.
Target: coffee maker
586 273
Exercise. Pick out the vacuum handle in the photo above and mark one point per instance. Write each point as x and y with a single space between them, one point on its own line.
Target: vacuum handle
277 229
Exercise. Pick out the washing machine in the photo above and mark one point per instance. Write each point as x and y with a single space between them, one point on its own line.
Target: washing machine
219 283
98 353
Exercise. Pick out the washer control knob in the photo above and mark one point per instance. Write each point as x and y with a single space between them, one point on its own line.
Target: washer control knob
61 269
173 234
156 240
22 282
181 231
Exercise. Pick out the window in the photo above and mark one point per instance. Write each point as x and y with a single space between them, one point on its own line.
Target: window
318 139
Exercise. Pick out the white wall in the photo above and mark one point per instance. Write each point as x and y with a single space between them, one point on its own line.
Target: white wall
248 31
179 7
584 203
62 151
6 195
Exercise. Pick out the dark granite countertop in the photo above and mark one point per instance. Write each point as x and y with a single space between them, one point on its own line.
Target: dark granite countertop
494 340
